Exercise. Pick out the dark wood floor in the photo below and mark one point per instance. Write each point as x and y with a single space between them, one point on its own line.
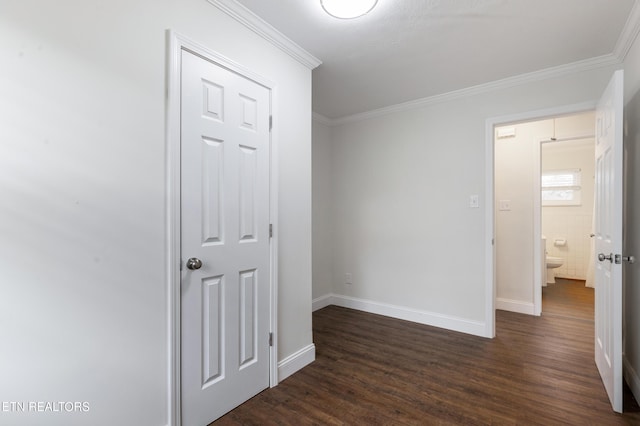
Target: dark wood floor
374 370
568 298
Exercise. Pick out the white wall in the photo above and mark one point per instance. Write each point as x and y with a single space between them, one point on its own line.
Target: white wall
515 175
400 194
631 245
82 209
322 230
571 223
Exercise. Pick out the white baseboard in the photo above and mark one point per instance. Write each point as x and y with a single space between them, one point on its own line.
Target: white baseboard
517 306
296 361
631 377
322 302
462 325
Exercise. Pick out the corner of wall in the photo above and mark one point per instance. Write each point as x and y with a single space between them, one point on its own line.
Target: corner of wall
516 306
632 378
296 361
322 301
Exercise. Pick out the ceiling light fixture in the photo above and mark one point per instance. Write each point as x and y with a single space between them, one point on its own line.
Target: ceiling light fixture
348 9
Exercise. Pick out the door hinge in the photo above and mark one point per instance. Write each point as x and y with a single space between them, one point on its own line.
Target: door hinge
270 339
270 122
270 230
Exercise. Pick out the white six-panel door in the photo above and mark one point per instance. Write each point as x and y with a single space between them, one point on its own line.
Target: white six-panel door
225 149
608 239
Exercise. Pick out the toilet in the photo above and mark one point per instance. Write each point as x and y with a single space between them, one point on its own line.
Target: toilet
553 263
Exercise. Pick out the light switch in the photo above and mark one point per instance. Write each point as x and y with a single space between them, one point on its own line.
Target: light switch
505 205
474 201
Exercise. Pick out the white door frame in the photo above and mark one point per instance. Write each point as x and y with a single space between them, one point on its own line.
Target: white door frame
175 44
490 258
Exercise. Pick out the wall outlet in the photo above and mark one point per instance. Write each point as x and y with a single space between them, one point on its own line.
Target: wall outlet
348 278
504 205
474 201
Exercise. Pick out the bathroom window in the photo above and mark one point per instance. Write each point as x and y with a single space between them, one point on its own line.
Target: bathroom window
561 187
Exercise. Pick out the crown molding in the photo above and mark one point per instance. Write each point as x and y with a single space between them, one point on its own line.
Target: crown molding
266 31
574 67
629 33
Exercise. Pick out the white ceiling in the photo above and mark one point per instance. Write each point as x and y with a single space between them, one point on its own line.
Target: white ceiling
411 49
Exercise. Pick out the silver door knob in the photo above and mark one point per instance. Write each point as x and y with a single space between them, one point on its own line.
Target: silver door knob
602 257
194 263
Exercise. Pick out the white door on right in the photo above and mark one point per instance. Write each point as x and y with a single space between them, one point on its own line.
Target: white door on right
608 239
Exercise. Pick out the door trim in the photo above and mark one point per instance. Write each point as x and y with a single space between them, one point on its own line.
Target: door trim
175 44
490 258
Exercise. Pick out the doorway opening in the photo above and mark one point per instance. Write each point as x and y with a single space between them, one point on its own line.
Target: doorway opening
544 192
491 207
567 172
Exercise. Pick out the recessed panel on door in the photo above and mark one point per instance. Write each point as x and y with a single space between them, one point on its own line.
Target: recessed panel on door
247 193
212 331
248 316
212 193
249 113
213 101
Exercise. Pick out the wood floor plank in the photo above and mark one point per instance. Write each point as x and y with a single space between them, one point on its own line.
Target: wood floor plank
375 370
